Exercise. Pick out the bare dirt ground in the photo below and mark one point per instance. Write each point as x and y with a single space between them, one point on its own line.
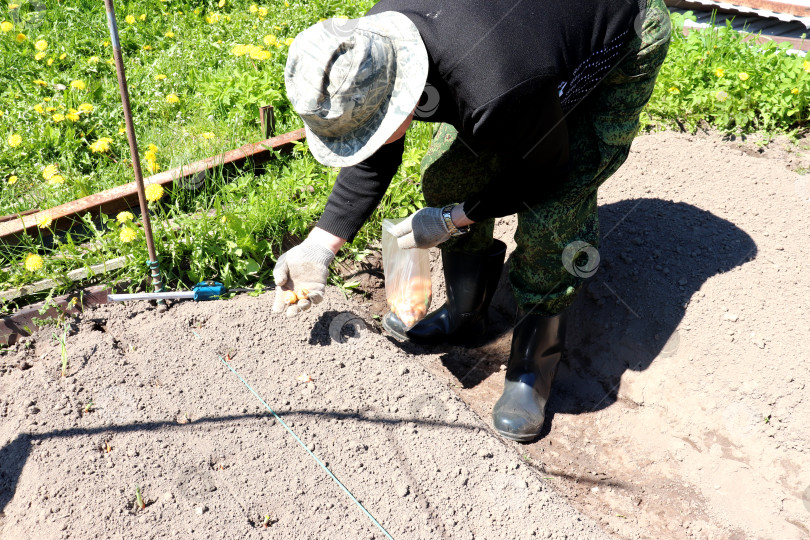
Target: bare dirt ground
681 410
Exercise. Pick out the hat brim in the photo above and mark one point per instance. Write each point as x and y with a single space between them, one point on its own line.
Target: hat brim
409 83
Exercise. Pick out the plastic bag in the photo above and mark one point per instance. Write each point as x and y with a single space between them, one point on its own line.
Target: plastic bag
407 278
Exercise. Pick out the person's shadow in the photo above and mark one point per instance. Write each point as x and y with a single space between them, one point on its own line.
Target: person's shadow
653 257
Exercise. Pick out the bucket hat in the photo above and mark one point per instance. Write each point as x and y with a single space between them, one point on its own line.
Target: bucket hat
354 81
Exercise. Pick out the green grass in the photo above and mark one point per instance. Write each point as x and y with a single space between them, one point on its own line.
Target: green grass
230 229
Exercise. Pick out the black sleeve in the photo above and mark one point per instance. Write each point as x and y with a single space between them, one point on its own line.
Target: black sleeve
528 127
359 189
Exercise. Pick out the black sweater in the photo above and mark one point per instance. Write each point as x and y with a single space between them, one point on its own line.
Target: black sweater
503 73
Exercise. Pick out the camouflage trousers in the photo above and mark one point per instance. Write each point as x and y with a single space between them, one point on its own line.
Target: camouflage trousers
557 238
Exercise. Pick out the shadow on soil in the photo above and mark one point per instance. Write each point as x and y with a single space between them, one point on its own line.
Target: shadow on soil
14 455
654 256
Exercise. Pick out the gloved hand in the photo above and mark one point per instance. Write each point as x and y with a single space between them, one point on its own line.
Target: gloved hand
306 266
422 229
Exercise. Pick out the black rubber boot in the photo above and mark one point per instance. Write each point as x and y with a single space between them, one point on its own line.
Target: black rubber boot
537 345
471 281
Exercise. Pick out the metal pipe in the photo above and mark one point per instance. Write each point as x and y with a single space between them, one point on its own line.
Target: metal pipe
151 296
133 146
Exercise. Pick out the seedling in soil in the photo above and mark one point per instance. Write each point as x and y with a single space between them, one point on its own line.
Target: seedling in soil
63 349
89 407
139 499
267 521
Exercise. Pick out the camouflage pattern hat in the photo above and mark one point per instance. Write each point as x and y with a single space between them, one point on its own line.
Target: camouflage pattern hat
354 81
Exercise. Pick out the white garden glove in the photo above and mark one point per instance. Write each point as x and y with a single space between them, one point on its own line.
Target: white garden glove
422 229
306 266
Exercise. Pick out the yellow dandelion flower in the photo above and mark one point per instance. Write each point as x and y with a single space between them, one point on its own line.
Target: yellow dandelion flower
147 47
152 166
73 116
122 130
674 90
130 19
270 40
85 108
150 155
41 45
56 180
286 4
44 221
154 192
239 50
719 73
152 148
142 17
197 11
62 56
13 6
46 100
208 135
721 96
105 43
262 12
6 27
160 77
58 117
50 109
1 113
743 76
50 61
101 145
172 98
93 60
212 18
169 34
21 37
12 179
277 28
39 56
221 3
253 9
49 171
127 234
795 91
38 108
806 66
33 262
14 140
78 85
289 41
125 216
40 82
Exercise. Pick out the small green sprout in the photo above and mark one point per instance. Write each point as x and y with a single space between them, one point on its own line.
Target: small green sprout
139 499
89 407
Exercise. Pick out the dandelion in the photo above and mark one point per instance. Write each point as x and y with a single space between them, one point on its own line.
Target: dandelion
124 217
40 82
13 6
39 56
73 115
674 90
270 40
721 96
6 27
289 41
142 17
239 50
147 47
122 130
93 60
806 66
101 145
152 166
130 19
221 3
212 18
152 148
78 85
14 140
50 61
33 262
21 37
172 99
38 108
85 108
56 180
62 56
44 221
169 34
58 117
208 135
286 4
719 73
253 9
154 192
50 109
49 171
262 12
41 45
12 180
795 91
743 76
127 234
160 77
